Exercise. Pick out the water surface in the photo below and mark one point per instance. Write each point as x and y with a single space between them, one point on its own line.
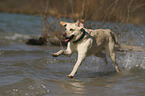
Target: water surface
31 70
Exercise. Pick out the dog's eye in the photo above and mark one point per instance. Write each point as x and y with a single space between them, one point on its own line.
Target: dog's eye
65 25
71 29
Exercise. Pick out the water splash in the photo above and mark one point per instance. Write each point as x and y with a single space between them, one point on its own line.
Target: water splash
17 36
132 60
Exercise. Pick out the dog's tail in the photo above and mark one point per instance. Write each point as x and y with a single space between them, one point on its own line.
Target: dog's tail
114 37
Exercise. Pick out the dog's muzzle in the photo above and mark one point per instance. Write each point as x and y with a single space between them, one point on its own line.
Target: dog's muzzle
67 39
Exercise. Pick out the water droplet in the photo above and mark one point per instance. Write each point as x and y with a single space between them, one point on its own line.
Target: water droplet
43 86
31 87
15 90
137 65
48 91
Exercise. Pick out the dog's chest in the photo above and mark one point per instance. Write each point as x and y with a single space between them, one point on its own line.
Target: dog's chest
85 43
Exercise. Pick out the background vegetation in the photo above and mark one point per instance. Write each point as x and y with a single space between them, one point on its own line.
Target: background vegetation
124 11
119 11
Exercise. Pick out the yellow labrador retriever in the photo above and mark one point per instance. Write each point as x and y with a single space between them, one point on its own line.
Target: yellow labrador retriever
87 42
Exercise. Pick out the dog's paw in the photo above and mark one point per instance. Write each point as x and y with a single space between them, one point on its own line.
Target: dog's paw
55 55
69 76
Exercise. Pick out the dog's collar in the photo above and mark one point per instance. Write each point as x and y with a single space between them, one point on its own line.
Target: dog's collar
82 36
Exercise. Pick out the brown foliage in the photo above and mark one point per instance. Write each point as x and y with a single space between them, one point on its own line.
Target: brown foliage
126 11
120 11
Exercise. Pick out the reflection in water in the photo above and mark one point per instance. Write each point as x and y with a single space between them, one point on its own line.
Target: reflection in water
91 86
76 87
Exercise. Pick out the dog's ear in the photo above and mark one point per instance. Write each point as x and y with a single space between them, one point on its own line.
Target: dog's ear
63 23
80 23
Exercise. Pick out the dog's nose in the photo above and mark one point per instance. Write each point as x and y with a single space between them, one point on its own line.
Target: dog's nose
64 34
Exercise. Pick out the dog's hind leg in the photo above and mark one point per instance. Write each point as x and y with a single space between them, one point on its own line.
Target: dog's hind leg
111 52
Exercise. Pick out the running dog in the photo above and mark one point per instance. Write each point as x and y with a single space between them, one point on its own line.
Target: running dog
87 42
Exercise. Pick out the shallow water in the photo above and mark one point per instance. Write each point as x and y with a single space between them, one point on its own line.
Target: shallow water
32 71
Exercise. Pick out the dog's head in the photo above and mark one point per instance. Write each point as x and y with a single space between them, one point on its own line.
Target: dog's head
72 30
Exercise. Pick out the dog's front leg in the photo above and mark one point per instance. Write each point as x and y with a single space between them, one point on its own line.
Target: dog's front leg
67 52
62 52
58 53
81 58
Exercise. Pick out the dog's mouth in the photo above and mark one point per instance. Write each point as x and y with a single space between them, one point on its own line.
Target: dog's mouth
79 38
67 39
